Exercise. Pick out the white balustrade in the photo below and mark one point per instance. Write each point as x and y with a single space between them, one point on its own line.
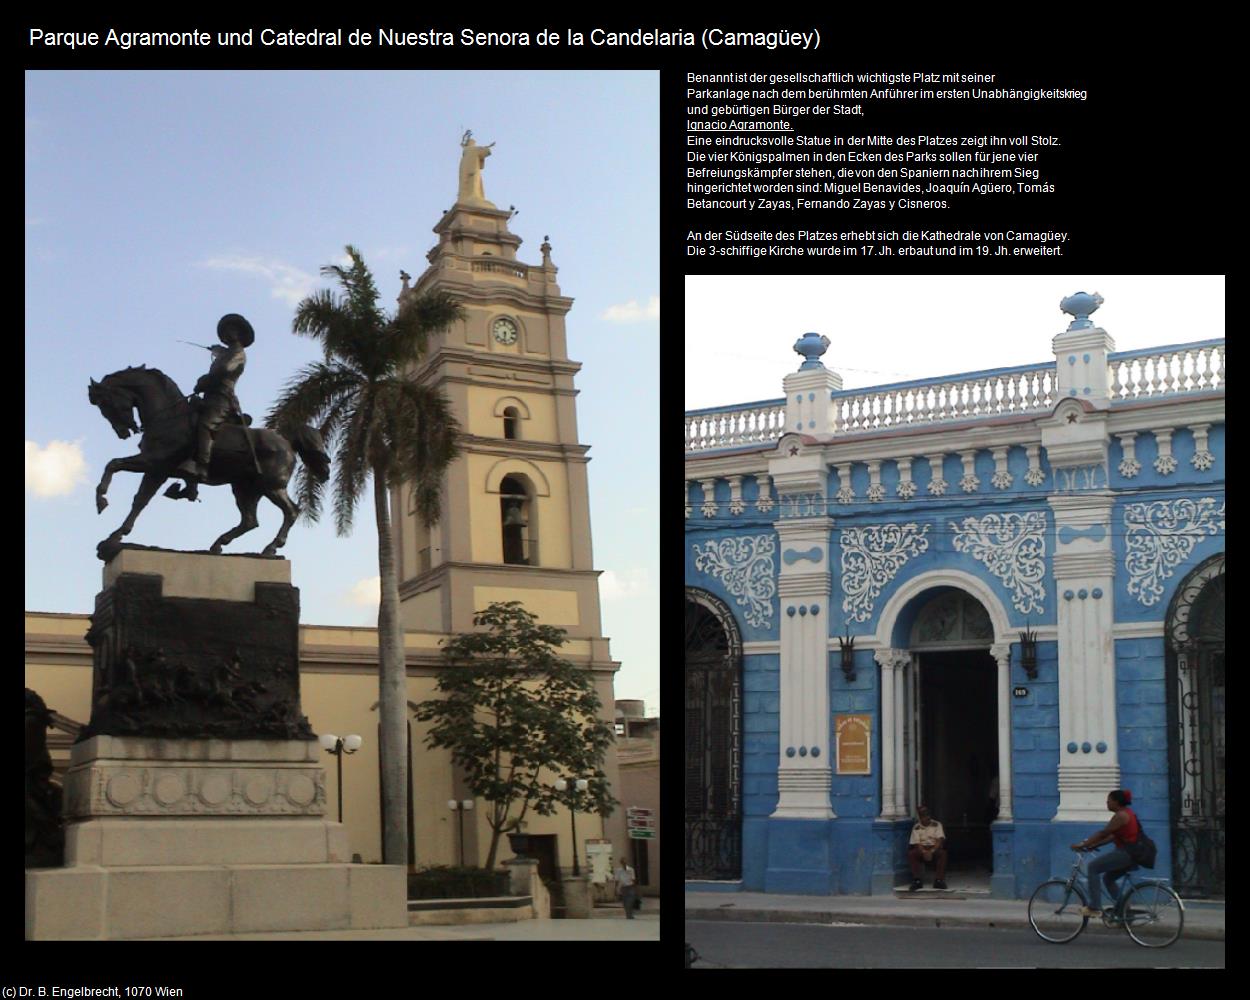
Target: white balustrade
755 423
1167 370
1180 368
958 397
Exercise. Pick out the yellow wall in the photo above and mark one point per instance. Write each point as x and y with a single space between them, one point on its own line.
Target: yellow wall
422 611
553 607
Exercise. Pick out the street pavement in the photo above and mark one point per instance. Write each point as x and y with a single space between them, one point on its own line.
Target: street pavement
607 924
1203 920
729 945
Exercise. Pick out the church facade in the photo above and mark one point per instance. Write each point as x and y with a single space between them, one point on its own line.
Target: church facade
999 593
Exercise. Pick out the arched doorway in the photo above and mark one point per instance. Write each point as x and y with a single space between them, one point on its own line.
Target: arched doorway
713 723
1195 676
955 724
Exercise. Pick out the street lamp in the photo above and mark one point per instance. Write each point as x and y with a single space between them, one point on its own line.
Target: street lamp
462 808
339 745
580 784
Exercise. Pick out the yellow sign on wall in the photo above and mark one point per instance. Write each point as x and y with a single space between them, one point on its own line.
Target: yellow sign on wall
854 743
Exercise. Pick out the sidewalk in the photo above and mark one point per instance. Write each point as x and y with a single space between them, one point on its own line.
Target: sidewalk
606 924
1203 920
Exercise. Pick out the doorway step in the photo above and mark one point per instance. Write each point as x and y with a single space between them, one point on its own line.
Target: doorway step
969 884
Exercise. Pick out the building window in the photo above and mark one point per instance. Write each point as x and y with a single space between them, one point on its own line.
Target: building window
510 423
516 512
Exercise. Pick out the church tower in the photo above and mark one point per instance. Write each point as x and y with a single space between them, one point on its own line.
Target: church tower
516 513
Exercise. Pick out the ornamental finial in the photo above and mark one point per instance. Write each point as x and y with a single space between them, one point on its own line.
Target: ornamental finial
811 346
1081 306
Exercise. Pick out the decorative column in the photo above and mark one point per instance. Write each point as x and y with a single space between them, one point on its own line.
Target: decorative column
901 723
803 587
893 663
1002 656
1084 566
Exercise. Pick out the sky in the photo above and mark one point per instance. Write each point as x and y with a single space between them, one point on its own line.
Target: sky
156 202
740 331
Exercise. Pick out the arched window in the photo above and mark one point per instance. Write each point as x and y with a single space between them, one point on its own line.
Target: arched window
516 514
511 422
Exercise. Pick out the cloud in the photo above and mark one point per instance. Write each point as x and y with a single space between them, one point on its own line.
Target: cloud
56 469
286 282
632 312
623 586
368 591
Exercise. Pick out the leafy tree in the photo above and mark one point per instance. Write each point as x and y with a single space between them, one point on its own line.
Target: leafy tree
382 425
516 717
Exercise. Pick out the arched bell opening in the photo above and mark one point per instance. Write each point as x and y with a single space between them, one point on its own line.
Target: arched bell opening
517 518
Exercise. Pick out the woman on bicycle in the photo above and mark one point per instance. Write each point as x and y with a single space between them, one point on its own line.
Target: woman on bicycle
1123 829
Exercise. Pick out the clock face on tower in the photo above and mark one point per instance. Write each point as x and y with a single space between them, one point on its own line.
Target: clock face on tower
504 330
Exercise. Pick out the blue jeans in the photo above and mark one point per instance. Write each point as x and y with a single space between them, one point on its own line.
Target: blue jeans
628 892
1111 867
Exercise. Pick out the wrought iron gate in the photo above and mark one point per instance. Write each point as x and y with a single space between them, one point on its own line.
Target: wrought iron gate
1196 717
713 664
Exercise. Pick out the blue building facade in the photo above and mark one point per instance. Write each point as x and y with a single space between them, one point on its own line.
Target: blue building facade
999 593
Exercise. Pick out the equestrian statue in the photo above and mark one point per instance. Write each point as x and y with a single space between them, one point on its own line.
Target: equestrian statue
204 439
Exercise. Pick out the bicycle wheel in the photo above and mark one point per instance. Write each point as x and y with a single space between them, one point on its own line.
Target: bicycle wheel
1153 915
1055 911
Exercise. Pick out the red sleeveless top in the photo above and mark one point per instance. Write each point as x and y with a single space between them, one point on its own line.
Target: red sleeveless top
1127 834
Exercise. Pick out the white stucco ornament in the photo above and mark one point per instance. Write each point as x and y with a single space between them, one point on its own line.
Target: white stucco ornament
871 557
746 567
1160 536
1013 548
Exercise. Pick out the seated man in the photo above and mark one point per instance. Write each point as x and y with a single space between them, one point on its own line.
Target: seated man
928 843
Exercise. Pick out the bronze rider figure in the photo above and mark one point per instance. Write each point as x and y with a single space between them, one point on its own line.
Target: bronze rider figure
219 402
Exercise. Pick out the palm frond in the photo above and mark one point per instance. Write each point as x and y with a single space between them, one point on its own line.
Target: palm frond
358 286
353 470
426 441
417 319
309 394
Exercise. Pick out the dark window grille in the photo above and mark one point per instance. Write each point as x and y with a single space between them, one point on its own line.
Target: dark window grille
713 727
1196 700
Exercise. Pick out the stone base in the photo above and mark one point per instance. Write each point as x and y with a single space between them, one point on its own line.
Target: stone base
150 777
123 843
170 838
95 903
576 897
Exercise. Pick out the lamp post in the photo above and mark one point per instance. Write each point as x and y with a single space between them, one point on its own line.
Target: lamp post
580 785
461 807
339 745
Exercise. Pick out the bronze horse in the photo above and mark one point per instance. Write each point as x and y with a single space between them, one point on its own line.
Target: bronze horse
167 425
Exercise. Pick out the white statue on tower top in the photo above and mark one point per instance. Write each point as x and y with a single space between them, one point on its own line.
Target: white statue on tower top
472 162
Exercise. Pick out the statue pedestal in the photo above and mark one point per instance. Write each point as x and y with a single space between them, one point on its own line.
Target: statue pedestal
174 835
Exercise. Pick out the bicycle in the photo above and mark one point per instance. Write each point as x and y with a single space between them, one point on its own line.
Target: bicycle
1151 913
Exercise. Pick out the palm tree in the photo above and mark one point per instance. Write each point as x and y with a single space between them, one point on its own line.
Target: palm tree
379 423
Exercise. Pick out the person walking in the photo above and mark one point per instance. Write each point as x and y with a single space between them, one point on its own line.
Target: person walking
624 876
